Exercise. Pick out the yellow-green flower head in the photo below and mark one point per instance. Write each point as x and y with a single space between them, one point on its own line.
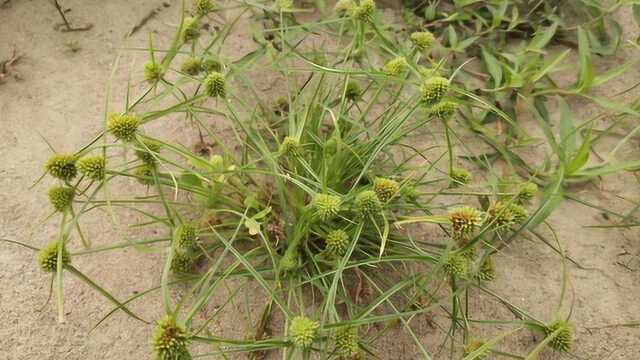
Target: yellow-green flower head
190 29
326 206
395 67
182 262
147 151
464 221
454 264
123 127
61 166
203 7
434 89
185 237
211 64
443 110
191 66
290 146
506 214
459 177
152 71
367 203
48 256
215 85
487 271
303 331
92 166
520 214
563 340
385 188
144 175
61 197
410 192
527 190
170 340
353 91
474 345
346 339
289 262
422 40
344 7
283 5
337 242
366 11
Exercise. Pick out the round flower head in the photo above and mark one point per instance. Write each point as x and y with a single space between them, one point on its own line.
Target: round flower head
520 214
191 66
394 67
410 192
211 64
487 271
215 85
123 127
353 91
385 188
443 110
190 29
203 7
367 203
290 147
185 237
61 197
144 175
326 206
366 11
562 340
92 166
61 166
527 190
147 150
454 264
337 242
433 89
48 257
346 339
422 40
459 177
289 262
182 262
283 5
464 220
303 331
344 7
170 340
474 345
152 71
506 214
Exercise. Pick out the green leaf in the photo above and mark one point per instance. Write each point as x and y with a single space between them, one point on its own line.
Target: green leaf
585 74
581 156
542 37
493 66
567 130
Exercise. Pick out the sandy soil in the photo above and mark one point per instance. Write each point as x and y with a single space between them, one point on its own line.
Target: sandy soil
60 95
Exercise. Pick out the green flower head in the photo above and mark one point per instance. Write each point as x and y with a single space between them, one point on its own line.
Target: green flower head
190 29
366 11
185 237
464 221
326 206
443 110
527 191
385 188
345 7
48 256
283 5
395 67
422 40
61 166
503 214
170 340
144 174
123 127
191 66
353 91
562 338
211 64
434 89
346 339
487 270
290 147
182 262
303 331
215 85
454 264
92 167
459 177
367 203
203 7
61 197
147 150
152 71
337 241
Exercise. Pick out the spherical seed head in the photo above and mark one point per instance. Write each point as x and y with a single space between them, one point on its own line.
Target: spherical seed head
459 177
191 66
182 262
394 67
185 237
152 71
147 150
527 191
211 64
346 339
366 11
144 175
92 166
385 188
61 166
290 146
443 110
344 7
507 214
170 340
123 127
563 340
433 89
454 264
190 29
48 257
337 242
487 271
353 91
215 85
203 7
464 221
474 345
326 206
303 331
61 197
367 203
422 40
520 214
